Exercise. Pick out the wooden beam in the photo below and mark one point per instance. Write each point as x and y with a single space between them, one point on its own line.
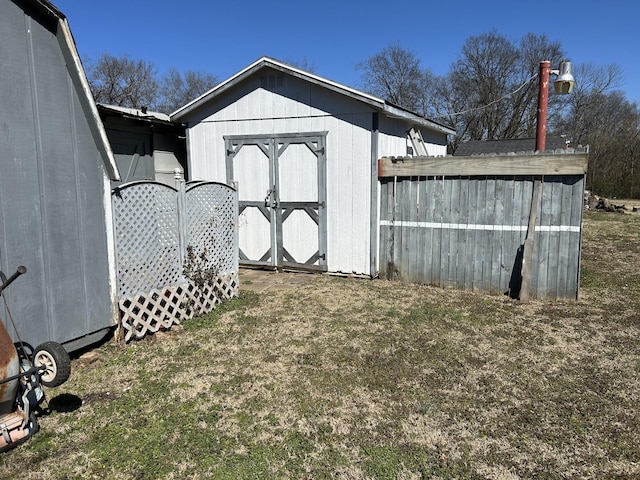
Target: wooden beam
541 164
527 251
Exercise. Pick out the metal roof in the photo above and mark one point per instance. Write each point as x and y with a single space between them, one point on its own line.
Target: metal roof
136 113
379 104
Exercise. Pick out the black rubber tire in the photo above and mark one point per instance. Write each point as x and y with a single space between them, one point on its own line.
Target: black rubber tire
55 363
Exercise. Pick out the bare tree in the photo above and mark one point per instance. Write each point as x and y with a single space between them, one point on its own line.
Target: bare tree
610 125
598 115
493 86
126 82
585 102
177 90
491 92
302 63
395 74
122 81
614 158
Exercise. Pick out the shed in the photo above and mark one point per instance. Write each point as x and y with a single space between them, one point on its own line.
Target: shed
303 150
146 145
56 164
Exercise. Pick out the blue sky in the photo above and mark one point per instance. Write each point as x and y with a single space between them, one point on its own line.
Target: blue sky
222 38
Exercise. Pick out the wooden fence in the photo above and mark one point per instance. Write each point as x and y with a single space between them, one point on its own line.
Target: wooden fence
468 222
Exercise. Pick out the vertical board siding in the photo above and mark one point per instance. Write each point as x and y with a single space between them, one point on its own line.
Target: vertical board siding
52 187
467 232
248 108
348 156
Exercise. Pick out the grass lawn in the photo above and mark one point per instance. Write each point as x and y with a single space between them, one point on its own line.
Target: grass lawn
353 379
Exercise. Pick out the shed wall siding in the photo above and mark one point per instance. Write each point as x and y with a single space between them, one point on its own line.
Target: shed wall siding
393 139
304 108
436 142
52 190
301 106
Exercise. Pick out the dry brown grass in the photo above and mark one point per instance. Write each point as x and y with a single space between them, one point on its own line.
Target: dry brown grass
357 379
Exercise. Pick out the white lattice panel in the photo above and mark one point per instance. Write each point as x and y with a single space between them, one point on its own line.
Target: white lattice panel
150 253
152 311
204 300
156 310
211 224
146 230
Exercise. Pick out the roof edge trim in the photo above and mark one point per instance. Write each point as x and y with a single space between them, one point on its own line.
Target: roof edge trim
76 71
264 62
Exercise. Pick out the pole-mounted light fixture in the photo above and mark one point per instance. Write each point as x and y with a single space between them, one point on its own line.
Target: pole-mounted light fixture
565 81
562 85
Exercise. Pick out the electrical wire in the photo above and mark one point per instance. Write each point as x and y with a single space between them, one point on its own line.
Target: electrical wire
495 101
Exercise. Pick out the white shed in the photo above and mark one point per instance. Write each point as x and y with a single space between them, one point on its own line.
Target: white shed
304 152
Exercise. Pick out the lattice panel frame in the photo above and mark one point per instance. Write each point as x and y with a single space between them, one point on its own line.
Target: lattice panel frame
150 312
150 252
204 300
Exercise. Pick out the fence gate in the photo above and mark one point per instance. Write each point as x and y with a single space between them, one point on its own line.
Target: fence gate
282 198
176 252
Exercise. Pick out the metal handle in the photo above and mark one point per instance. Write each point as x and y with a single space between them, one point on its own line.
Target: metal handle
270 200
21 269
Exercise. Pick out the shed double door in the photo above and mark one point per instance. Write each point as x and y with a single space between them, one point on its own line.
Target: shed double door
281 199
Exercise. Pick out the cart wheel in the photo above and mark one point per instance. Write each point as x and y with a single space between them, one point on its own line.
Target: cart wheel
54 361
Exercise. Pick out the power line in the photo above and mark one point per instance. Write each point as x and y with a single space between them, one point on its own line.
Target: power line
495 101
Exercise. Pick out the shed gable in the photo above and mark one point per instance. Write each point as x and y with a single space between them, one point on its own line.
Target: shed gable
272 95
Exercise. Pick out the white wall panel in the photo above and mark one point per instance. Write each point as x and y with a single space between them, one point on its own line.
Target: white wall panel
304 107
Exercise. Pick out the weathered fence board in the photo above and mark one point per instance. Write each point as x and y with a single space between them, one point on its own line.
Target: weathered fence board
176 252
468 231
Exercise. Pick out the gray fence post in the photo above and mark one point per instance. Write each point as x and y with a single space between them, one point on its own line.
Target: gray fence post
182 215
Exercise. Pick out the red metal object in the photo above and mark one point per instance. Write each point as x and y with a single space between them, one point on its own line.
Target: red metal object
9 366
543 101
16 428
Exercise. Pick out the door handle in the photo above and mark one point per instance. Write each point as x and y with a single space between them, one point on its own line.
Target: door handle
270 200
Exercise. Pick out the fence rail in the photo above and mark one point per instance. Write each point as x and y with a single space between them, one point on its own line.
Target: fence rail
450 224
176 252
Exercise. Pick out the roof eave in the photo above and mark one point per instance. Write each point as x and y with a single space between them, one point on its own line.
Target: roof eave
76 71
264 62
400 113
149 118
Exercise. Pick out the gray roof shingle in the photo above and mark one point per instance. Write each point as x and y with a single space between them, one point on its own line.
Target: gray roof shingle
511 145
